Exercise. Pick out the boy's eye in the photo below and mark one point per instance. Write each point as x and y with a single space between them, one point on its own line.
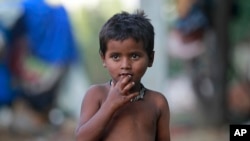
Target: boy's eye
115 56
134 56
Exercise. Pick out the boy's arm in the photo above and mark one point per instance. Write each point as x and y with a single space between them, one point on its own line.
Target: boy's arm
163 127
94 117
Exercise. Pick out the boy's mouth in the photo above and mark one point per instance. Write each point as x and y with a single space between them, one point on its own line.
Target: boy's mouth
125 74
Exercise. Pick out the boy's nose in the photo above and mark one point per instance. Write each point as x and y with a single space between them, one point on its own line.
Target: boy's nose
125 64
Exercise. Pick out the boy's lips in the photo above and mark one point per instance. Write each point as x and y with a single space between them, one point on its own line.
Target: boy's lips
125 74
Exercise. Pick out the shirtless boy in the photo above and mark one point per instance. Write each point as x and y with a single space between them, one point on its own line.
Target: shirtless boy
123 109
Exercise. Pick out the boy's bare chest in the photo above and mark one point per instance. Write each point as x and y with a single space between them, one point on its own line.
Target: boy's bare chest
136 110
133 120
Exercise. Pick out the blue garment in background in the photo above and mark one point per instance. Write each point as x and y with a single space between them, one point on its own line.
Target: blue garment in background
49 32
50 39
6 91
7 94
194 21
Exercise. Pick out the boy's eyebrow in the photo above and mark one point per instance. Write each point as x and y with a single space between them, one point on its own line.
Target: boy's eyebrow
136 51
114 52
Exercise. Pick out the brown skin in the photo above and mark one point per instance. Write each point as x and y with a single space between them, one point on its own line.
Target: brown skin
107 113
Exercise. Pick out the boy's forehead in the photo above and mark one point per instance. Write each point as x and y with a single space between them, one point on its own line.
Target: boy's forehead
126 42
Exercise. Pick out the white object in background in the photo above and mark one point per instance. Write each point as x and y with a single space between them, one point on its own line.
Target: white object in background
183 50
72 90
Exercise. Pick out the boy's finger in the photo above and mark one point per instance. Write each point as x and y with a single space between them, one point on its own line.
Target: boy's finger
125 81
132 95
128 86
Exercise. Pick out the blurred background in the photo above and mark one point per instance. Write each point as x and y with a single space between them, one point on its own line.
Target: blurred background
49 57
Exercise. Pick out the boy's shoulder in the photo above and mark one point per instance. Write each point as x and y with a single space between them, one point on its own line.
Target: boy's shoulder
97 90
155 94
97 87
156 97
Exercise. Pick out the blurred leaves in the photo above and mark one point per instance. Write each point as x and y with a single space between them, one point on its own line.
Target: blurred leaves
241 23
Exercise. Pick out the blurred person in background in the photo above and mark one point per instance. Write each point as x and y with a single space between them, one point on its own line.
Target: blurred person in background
187 33
194 39
42 49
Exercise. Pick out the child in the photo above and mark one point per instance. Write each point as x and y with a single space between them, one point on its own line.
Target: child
123 109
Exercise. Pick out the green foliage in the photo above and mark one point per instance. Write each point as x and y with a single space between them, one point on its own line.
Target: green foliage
175 67
241 23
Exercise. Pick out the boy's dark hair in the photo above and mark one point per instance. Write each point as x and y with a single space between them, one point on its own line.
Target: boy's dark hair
123 26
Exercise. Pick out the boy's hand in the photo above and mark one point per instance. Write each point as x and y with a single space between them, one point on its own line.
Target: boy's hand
119 93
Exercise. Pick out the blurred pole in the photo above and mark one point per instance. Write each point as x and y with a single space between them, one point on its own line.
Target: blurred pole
155 77
221 65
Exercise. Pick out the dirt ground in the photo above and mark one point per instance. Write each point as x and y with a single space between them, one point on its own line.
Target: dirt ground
64 132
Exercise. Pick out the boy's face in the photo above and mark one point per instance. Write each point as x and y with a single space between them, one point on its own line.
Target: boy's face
126 57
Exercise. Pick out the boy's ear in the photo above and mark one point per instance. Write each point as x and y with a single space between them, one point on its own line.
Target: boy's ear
103 59
151 59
